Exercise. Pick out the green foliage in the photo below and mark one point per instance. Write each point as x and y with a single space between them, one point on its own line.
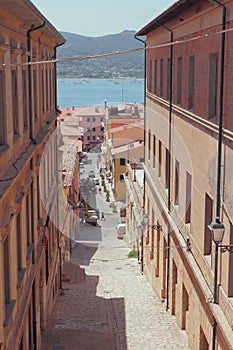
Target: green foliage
133 254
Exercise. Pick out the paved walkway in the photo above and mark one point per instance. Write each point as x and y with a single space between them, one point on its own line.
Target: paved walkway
106 303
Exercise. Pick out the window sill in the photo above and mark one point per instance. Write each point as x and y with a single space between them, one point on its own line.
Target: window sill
9 309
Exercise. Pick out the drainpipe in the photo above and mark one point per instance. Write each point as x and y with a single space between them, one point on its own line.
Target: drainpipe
145 56
169 163
30 80
55 75
220 129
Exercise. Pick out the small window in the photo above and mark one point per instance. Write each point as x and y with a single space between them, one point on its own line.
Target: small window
177 175
102 128
88 120
93 119
168 77
179 80
122 161
188 197
94 138
160 158
88 137
161 77
149 143
155 76
213 87
88 129
154 149
93 129
208 219
122 178
191 83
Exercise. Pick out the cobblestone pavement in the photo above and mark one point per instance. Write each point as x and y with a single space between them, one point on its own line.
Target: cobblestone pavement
110 305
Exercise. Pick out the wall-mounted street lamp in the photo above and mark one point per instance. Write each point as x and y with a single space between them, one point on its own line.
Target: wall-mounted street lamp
217 230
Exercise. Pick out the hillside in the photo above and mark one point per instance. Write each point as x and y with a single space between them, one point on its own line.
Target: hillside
131 64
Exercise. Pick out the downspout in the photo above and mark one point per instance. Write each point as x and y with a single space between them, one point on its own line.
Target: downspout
55 75
169 163
144 180
57 178
30 80
220 128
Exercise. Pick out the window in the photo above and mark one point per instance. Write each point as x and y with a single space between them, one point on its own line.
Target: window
42 90
93 129
141 160
179 80
101 120
88 119
155 76
35 97
94 138
88 137
213 86
6 271
161 78
122 178
2 109
167 168
208 219
168 78
19 253
149 143
177 175
46 88
25 100
191 83
122 161
188 197
160 157
150 76
88 129
93 119
102 129
28 220
15 102
154 144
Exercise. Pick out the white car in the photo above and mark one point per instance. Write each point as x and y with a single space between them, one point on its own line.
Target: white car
91 174
121 230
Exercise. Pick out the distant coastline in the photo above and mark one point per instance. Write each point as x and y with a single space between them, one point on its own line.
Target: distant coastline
127 65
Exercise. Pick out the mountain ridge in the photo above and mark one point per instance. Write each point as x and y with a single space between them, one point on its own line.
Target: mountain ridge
130 64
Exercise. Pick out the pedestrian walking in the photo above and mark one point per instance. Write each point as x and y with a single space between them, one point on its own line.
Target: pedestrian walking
102 216
99 190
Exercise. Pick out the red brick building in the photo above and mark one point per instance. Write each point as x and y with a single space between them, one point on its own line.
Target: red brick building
188 166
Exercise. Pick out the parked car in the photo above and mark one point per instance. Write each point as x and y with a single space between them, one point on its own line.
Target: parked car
121 230
91 174
96 181
91 218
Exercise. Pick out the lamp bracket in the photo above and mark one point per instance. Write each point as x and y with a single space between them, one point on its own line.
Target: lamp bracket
226 248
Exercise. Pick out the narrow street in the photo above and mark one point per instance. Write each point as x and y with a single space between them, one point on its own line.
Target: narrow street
107 303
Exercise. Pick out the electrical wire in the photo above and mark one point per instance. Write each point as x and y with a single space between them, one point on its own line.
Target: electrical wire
79 58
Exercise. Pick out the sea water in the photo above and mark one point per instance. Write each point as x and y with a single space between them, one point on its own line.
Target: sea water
94 92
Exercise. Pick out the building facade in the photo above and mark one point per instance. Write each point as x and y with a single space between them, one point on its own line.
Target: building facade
29 240
188 162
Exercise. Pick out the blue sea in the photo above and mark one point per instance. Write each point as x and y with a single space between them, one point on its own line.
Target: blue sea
93 92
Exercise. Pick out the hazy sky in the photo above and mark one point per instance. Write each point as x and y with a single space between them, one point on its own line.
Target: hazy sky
100 17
